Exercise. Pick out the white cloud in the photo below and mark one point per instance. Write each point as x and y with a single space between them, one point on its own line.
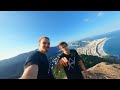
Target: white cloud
92 19
101 13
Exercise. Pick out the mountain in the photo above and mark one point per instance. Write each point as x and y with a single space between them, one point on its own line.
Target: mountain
12 68
85 41
104 70
52 53
89 62
109 34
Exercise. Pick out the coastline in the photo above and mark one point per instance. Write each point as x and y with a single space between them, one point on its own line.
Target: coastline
94 48
101 49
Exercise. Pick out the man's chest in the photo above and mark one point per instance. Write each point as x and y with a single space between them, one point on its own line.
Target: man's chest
71 61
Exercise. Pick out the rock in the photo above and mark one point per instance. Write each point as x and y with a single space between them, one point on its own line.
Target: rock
104 70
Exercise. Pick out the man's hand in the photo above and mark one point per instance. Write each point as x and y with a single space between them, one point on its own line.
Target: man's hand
86 76
62 62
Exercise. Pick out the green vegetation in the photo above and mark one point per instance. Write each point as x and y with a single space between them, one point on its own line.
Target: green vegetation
59 74
89 61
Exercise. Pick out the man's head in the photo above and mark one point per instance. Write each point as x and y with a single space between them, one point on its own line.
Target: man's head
44 44
63 46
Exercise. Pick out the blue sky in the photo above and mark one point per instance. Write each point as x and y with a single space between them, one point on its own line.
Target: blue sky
21 30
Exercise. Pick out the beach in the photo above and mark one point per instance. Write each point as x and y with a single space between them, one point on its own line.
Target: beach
94 48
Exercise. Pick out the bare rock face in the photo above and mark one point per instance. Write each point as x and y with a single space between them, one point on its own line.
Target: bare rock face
104 70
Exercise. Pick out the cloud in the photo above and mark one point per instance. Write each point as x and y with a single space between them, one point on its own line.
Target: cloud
101 13
92 19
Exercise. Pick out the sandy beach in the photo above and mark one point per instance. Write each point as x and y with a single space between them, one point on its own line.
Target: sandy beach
94 48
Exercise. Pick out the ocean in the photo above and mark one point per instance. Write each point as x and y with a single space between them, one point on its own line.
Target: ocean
112 46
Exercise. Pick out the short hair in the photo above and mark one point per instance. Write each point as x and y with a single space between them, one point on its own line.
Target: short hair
42 38
62 43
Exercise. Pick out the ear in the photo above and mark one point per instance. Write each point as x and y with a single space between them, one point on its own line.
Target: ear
38 44
60 49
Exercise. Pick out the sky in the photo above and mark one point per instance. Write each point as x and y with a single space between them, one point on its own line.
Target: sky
21 30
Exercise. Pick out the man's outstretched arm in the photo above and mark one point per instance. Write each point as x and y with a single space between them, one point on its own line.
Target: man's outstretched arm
30 72
83 68
62 62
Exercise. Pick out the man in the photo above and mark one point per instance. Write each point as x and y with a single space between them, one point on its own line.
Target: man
37 65
70 61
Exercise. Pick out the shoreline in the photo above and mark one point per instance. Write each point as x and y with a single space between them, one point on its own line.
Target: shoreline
101 49
94 48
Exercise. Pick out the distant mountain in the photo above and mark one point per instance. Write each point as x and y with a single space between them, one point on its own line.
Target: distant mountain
109 34
85 41
13 67
52 51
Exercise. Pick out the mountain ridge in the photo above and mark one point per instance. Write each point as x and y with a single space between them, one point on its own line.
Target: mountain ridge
13 67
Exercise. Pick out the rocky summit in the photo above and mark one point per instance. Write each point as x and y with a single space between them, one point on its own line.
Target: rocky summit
104 70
